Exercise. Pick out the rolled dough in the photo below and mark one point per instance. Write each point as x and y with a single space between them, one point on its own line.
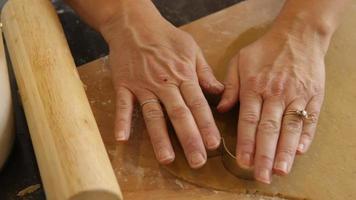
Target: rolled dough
6 115
328 171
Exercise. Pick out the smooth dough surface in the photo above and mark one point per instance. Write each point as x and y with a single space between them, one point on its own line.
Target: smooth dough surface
328 170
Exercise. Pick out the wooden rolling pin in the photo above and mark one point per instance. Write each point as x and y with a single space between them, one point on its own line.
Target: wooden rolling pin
70 153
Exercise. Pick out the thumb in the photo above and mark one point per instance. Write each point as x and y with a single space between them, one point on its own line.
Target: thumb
231 92
206 76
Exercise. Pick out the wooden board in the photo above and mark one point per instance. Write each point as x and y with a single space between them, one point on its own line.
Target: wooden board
326 172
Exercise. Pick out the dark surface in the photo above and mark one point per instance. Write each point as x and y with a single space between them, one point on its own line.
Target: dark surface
86 45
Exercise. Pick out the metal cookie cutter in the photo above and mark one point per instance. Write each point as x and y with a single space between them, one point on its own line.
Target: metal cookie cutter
229 162
227 125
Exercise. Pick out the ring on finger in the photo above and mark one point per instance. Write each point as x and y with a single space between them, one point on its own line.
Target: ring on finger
303 114
149 101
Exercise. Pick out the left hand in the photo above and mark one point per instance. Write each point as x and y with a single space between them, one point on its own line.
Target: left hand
154 63
281 72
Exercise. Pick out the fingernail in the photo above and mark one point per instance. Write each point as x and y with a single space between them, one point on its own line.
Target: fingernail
264 176
246 159
304 144
282 166
211 142
164 155
196 160
301 147
120 136
220 105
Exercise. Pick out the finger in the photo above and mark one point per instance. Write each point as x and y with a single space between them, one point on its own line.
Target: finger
156 127
267 138
289 138
231 90
202 114
249 116
206 76
185 127
309 126
124 108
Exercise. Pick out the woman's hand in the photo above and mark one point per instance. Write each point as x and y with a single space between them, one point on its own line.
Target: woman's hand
275 76
152 62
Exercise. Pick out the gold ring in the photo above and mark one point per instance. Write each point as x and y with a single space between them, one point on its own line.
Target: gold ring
149 101
303 114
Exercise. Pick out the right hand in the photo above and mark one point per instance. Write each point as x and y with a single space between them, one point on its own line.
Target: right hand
152 59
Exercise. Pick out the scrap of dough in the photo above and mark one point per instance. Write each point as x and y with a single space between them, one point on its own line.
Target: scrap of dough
29 190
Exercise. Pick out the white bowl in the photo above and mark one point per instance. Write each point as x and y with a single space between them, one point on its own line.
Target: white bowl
6 111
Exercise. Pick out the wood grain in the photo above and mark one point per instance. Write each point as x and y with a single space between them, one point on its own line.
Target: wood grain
70 153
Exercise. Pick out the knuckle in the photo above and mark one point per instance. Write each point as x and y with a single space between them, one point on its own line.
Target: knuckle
278 87
308 134
247 142
179 112
123 104
256 84
253 81
185 69
204 68
269 126
206 128
287 151
249 118
122 120
205 83
265 159
293 125
191 143
229 86
157 142
153 114
246 145
119 85
197 103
